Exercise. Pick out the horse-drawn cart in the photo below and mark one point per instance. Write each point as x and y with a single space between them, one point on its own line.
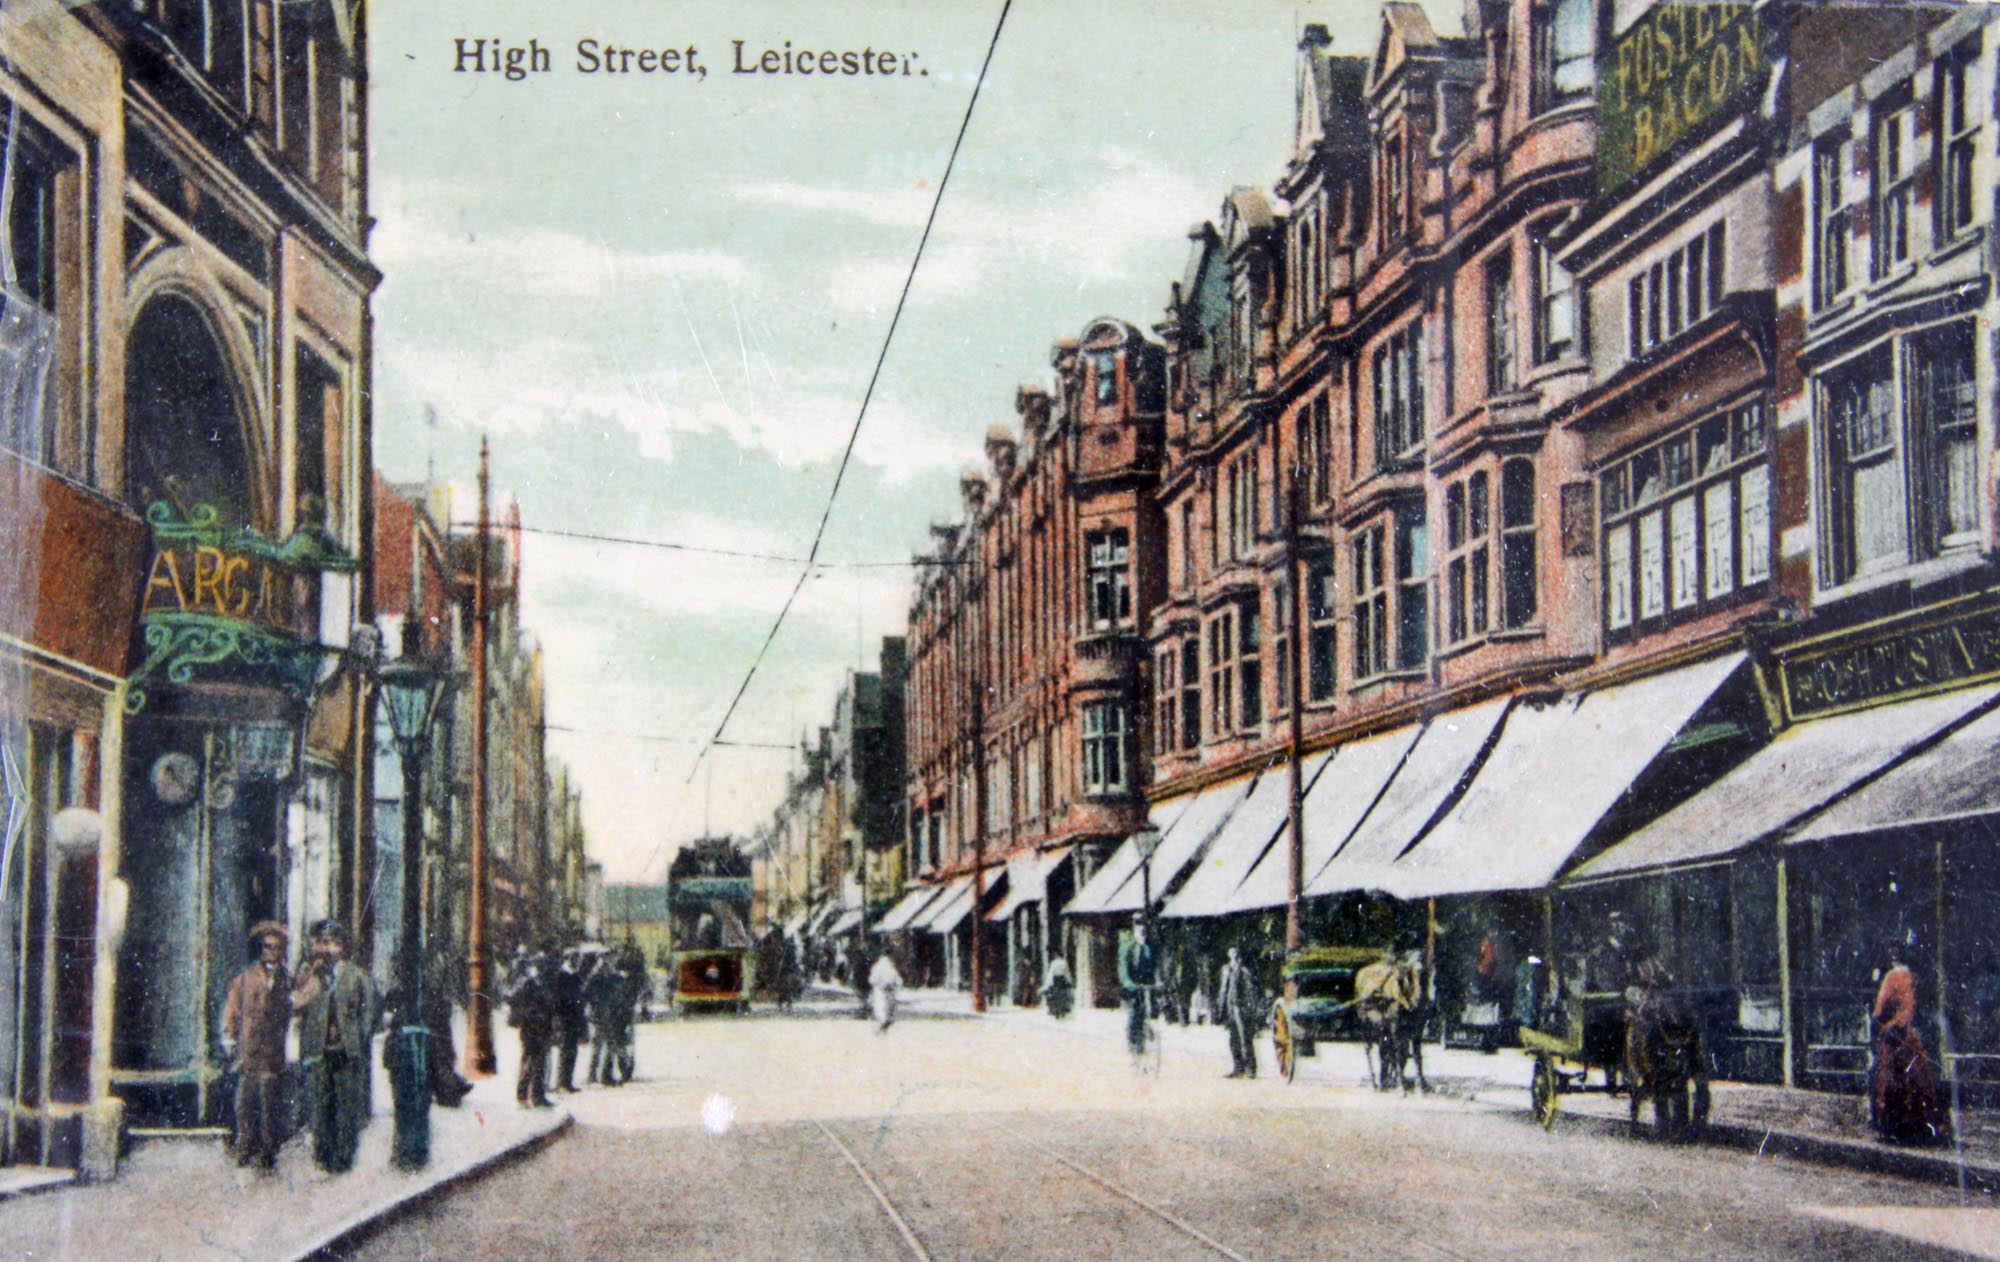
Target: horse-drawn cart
1646 1044
1321 1006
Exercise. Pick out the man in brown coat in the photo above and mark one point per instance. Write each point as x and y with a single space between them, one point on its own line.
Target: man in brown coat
255 1018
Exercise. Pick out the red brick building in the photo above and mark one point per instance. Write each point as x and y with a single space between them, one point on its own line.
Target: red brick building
1025 753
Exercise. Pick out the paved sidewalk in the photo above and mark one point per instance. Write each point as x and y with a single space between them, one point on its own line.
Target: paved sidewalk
182 1201
1814 1126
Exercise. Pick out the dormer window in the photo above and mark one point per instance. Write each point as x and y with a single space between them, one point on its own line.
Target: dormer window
1565 49
1104 368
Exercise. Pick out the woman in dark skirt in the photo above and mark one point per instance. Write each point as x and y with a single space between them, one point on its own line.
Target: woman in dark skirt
1903 1100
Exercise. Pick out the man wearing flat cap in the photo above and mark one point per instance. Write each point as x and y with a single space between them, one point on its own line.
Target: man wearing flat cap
255 1017
336 1006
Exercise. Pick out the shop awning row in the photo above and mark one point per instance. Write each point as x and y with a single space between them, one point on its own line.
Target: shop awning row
1498 796
1927 760
1028 878
908 908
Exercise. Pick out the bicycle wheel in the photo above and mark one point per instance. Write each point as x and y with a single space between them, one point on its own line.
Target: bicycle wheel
1149 1060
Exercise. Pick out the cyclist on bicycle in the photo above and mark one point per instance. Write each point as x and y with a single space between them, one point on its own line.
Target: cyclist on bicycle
1138 974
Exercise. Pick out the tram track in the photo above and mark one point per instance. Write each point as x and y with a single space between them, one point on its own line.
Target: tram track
902 1224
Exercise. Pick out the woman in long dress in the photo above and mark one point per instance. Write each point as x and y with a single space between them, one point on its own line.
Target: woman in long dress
1904 1101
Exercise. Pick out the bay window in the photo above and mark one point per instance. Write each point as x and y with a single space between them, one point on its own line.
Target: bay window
1371 605
1322 611
1110 584
1104 752
1399 394
1191 692
1517 543
1166 699
1413 610
1686 524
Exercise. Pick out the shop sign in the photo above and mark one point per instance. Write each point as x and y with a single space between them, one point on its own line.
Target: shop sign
1894 664
1678 67
216 595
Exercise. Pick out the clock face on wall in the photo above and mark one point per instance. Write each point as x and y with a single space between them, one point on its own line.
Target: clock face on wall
175 777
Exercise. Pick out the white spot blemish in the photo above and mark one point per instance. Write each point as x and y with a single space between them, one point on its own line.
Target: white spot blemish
718 1114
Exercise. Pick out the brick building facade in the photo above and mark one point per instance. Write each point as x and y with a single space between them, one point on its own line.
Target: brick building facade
1578 468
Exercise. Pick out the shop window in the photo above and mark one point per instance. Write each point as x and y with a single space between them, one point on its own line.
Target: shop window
1565 47
1109 579
1499 325
1686 524
1467 518
1399 394
1832 217
1322 611
1166 701
1371 605
1105 749
1676 292
1555 307
1893 182
1191 692
1517 543
1957 142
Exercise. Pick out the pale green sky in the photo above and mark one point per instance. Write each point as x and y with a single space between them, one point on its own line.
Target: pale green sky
662 297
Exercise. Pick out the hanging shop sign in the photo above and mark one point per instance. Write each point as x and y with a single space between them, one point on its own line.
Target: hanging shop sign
216 595
1678 68
1892 663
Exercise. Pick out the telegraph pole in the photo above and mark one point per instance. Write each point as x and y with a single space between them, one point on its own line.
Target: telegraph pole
979 821
1295 842
479 1059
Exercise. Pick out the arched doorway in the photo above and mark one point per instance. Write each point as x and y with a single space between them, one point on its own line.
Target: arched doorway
203 850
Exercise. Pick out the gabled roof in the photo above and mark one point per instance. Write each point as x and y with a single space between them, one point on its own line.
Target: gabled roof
1406 30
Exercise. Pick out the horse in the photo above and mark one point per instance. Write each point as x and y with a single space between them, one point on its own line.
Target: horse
1392 998
1665 1061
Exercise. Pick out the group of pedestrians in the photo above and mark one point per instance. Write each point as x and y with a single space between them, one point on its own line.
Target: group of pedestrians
557 1005
334 1005
1240 1001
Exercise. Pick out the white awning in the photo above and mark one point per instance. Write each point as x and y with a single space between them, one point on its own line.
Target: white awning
1949 782
1553 776
1253 829
845 923
1028 880
1180 845
959 890
1423 785
907 909
1124 861
1339 797
1801 770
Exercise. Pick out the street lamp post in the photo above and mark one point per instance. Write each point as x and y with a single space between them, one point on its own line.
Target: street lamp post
1148 842
411 691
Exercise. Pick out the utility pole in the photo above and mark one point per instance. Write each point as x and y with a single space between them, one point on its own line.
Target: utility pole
479 1059
1295 841
979 806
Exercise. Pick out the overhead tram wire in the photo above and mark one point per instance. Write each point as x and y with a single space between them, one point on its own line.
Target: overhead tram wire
888 339
660 739
705 550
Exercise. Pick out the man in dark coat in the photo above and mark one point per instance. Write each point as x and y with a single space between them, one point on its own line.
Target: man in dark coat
1242 1012
337 1009
255 1018
531 1010
572 1020
1138 973
611 994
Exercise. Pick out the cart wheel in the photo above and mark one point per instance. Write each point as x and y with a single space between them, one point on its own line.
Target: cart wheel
1545 1092
1281 1041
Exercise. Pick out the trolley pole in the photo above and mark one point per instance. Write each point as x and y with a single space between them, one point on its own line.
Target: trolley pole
479 1058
